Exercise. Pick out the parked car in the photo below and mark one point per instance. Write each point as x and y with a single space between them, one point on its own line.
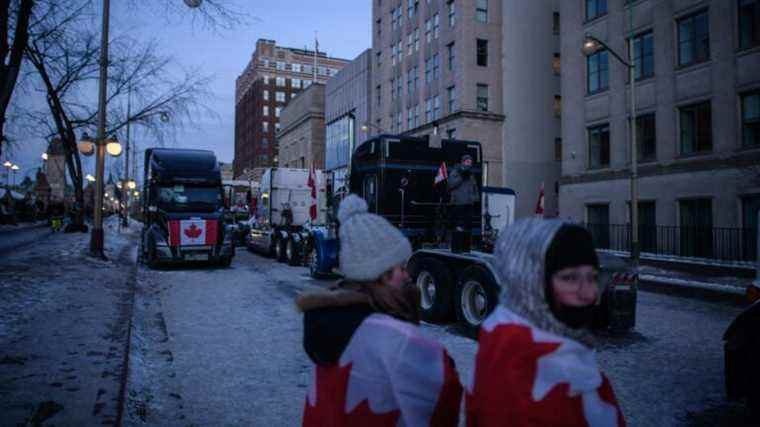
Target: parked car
742 353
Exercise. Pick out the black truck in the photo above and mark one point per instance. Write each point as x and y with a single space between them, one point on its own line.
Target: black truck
184 209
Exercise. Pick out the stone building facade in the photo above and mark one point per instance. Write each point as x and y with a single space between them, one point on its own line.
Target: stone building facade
301 139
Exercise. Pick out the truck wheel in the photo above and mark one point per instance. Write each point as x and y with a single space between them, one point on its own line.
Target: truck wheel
279 250
293 252
312 260
477 295
433 279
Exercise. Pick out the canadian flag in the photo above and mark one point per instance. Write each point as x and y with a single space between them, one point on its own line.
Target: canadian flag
188 232
442 175
540 202
312 183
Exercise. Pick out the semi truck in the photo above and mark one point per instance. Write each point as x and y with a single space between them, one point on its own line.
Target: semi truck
396 176
284 224
184 209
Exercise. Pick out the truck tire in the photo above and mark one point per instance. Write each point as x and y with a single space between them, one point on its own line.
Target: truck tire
279 249
312 261
434 280
293 252
476 296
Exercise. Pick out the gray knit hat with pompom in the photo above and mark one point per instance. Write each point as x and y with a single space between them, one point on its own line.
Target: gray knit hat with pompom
369 244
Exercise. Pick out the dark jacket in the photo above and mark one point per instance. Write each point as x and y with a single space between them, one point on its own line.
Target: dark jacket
463 187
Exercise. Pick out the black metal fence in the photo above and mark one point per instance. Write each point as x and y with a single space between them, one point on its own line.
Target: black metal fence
722 244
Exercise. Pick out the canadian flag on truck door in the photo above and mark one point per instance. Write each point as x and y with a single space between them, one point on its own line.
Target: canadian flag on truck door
189 232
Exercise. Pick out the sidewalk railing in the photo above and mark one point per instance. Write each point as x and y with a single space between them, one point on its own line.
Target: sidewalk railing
722 244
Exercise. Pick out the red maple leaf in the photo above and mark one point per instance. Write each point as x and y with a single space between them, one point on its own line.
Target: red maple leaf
506 368
329 408
193 231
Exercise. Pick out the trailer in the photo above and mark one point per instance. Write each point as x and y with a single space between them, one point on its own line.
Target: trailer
283 226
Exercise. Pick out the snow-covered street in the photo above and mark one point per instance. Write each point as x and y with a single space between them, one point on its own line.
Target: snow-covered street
223 346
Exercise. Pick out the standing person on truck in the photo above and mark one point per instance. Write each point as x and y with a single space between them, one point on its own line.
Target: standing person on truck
535 364
372 364
463 189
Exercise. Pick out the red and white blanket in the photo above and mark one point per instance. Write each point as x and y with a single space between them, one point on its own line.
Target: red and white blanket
528 377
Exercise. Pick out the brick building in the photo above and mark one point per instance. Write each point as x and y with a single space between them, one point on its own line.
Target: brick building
271 79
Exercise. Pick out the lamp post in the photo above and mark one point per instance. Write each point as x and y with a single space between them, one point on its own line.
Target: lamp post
367 125
7 165
592 45
14 169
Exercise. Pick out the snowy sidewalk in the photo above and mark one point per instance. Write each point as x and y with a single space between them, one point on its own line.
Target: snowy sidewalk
63 329
683 280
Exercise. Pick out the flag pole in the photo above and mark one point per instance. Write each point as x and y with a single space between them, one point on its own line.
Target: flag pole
316 50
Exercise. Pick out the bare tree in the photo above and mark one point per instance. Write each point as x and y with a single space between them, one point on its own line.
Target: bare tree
66 61
14 18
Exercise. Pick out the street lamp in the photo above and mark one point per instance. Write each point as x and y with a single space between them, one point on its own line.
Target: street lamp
591 45
86 145
44 156
113 147
90 178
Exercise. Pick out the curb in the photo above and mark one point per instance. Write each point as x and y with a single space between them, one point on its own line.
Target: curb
693 284
122 398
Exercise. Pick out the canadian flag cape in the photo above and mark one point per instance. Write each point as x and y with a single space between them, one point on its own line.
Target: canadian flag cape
192 232
528 377
388 375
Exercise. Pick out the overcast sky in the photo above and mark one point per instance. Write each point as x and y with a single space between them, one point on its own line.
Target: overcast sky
343 28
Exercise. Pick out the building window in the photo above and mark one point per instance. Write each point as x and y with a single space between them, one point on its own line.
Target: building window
379 25
428 30
416 115
296 83
307 69
400 50
436 25
646 137
279 96
416 78
694 39
410 9
452 14
482 52
399 88
599 147
322 71
450 53
280 65
481 11
410 118
749 23
416 39
451 133
695 219
751 119
393 89
595 8
598 223
482 97
428 70
277 111
597 72
557 64
266 95
696 128
266 80
409 44
379 95
277 127
379 59
265 126
306 83
394 53
410 82
643 56
452 98
265 110
436 107
280 81
428 110
557 106
558 149
436 66
555 22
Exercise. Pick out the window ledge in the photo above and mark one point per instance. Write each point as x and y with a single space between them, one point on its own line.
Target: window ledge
600 169
644 80
747 50
683 69
693 156
592 95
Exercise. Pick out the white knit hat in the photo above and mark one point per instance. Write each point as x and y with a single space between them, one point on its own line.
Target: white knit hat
369 244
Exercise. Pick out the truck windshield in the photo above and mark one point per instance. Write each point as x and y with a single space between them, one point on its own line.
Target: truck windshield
186 198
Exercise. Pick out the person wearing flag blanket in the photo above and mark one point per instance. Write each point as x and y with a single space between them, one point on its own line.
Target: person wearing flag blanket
372 365
535 365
